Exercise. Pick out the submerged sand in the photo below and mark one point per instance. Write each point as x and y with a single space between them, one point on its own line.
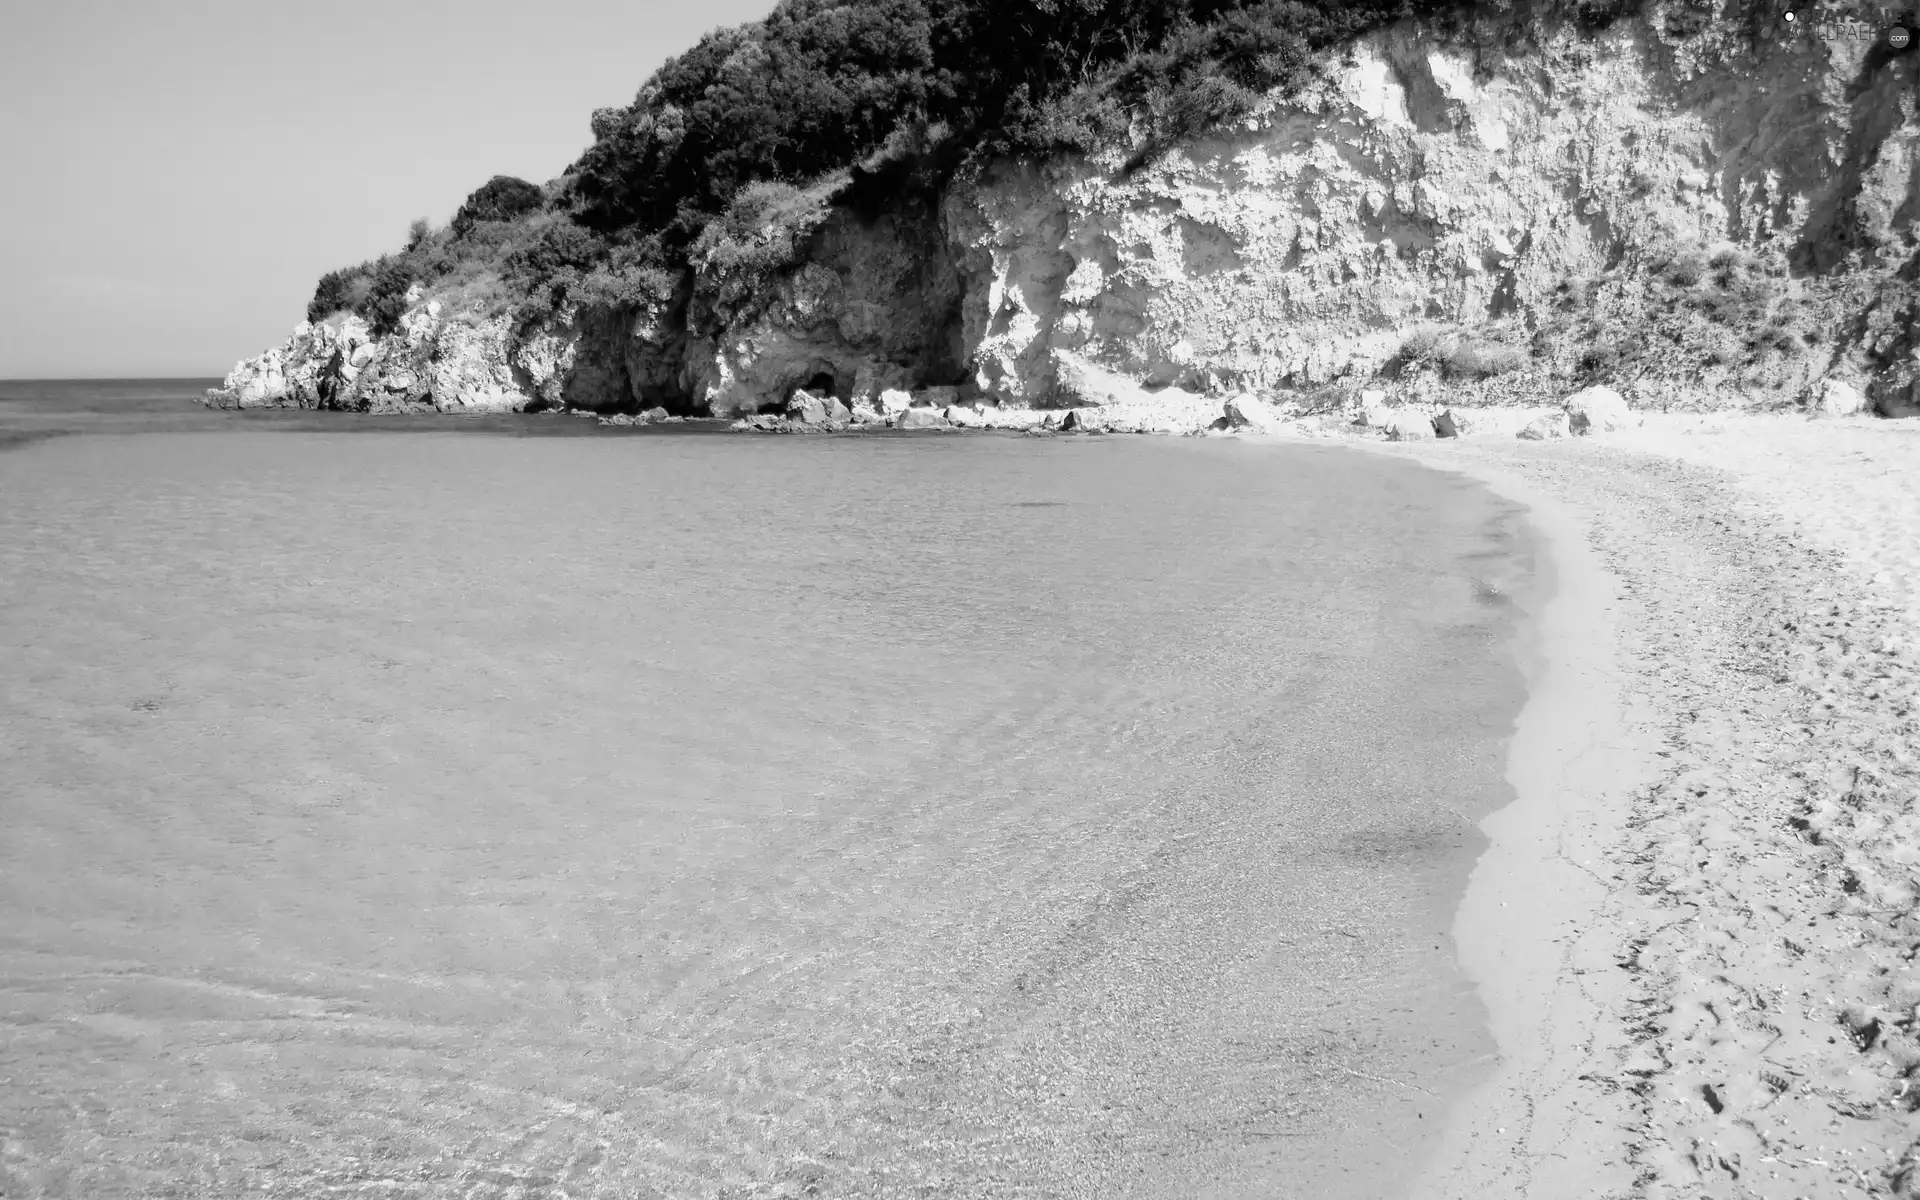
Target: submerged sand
1695 928
438 815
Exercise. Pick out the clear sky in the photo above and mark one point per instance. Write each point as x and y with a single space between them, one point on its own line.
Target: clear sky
176 174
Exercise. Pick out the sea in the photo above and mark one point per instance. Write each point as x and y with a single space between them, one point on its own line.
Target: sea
511 807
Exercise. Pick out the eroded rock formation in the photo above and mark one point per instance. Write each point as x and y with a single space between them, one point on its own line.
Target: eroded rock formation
1520 179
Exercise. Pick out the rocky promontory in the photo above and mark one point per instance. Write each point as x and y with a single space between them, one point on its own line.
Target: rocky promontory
1504 209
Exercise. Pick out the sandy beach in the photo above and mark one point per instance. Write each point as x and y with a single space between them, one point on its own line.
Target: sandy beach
1694 930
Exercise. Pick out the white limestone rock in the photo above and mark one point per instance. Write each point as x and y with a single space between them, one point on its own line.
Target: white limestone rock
1544 428
1407 426
1597 409
920 418
1247 411
1840 398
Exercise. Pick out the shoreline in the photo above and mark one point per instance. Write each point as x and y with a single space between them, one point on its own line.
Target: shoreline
1730 685
1522 930
1697 963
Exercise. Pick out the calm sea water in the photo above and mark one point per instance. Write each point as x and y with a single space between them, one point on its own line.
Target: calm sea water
724 816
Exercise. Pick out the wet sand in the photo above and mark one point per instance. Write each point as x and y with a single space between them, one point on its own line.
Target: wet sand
1695 929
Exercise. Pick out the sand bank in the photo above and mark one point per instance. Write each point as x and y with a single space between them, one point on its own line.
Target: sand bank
1693 932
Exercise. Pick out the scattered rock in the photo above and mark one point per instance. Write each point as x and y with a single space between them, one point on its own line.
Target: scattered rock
1248 411
806 408
648 417
1898 398
1083 420
1540 429
863 413
962 417
919 418
1410 427
839 416
999 417
872 379
1597 410
1839 398
1376 416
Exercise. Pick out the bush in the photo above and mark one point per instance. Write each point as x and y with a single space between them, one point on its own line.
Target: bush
893 97
1484 360
386 297
1595 15
502 198
338 291
1688 19
819 86
1459 355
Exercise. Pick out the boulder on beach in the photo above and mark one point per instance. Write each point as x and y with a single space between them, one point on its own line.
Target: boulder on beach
1410 427
1445 426
807 408
961 417
1895 395
1542 428
1597 410
1248 411
1373 415
1082 420
919 418
894 401
647 417
1839 398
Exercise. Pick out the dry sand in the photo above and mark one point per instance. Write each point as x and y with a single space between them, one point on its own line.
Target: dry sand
1695 929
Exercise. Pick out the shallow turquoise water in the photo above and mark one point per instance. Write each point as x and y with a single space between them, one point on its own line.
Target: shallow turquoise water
692 816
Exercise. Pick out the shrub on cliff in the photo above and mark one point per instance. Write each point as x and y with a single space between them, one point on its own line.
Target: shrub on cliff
339 291
820 86
1721 313
764 229
502 198
1459 354
894 95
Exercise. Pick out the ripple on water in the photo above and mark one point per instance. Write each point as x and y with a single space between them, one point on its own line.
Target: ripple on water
705 817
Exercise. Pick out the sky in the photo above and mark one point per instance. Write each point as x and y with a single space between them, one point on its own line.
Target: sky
178 173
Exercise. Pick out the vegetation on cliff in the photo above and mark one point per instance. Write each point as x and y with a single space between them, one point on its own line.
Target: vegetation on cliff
838 102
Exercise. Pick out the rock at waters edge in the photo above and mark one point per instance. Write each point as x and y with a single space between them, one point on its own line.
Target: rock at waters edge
920 418
1410 427
1247 411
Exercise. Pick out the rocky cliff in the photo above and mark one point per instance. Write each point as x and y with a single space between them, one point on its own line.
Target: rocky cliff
1697 210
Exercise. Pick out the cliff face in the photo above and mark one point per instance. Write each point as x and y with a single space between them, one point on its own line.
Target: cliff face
1723 217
